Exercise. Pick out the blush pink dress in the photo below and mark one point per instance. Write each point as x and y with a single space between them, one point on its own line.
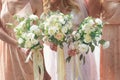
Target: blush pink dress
110 58
12 60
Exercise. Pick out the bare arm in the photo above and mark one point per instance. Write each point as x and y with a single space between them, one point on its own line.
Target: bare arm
5 37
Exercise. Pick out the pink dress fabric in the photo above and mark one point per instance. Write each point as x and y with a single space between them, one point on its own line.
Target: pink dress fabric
12 60
110 58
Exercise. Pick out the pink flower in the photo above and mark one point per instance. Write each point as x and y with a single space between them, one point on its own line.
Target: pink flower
72 52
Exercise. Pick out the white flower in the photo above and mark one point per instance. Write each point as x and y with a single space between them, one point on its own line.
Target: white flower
64 30
24 35
91 22
33 17
77 36
52 30
61 19
72 46
30 35
20 40
106 44
87 38
98 38
59 36
83 48
98 21
74 33
35 29
76 44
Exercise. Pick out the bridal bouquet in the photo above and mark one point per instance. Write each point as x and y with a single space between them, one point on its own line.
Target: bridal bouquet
56 27
27 33
87 37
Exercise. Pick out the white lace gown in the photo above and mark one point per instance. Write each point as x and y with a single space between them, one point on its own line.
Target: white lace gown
88 70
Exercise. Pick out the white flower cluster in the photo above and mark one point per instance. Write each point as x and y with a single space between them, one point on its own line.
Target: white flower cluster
57 26
27 32
88 35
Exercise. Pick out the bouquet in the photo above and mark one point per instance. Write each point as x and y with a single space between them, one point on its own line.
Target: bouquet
56 27
29 34
87 37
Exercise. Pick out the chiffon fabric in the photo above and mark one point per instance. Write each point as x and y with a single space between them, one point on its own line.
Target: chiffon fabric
110 58
12 60
88 71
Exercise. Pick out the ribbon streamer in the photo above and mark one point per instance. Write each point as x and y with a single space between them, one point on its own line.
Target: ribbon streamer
61 64
38 66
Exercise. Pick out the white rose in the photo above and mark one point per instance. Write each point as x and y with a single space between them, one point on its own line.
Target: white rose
87 29
64 30
98 38
34 29
30 35
98 21
28 44
74 33
87 38
34 41
91 22
69 25
61 19
77 36
52 30
83 48
106 44
33 17
24 35
20 40
76 44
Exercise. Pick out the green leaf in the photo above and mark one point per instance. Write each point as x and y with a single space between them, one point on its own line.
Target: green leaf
92 34
87 51
68 59
92 47
102 41
81 57
84 60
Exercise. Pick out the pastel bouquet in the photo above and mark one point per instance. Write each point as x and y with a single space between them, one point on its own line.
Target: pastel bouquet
87 37
56 27
29 34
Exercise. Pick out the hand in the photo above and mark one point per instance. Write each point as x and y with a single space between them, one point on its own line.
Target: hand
72 52
53 46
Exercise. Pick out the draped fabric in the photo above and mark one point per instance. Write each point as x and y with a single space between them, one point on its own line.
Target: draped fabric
88 71
12 60
110 58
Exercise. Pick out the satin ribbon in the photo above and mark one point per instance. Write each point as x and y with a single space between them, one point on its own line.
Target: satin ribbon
61 64
38 66
75 68
78 68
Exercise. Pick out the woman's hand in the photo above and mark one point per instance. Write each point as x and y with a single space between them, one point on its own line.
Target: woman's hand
53 46
5 37
72 52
